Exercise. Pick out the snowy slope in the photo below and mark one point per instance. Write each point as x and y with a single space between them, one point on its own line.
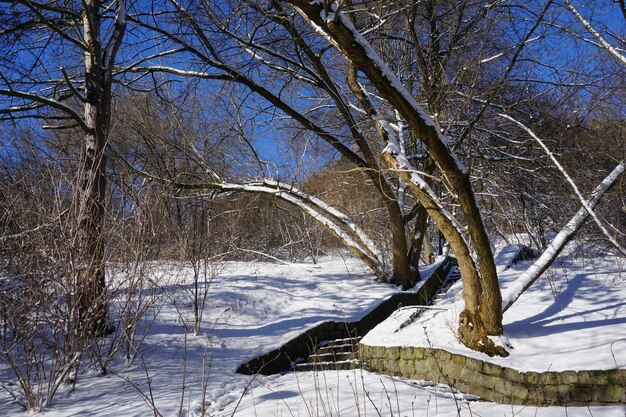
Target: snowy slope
255 307
576 310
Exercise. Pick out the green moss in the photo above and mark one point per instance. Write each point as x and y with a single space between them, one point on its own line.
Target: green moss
392 353
568 377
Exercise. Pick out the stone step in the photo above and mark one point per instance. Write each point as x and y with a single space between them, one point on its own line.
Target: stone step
347 341
450 280
326 366
332 357
348 347
343 353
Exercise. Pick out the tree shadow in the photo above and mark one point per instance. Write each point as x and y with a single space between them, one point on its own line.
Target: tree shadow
542 324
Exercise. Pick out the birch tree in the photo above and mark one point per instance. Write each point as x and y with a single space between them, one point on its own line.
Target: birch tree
588 205
599 39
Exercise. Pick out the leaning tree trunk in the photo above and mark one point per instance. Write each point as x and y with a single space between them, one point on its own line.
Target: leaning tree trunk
402 272
420 241
405 273
482 316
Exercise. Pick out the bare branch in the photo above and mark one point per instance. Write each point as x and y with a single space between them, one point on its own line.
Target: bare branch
570 181
517 288
48 102
603 43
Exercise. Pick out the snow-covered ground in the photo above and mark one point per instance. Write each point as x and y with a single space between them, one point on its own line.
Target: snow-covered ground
574 318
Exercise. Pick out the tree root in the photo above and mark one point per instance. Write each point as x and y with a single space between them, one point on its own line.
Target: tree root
472 334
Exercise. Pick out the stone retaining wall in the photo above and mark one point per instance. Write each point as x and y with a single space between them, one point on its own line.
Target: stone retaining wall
497 383
303 345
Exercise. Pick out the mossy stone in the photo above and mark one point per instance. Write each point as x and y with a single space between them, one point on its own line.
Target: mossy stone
473 364
391 365
468 375
407 367
567 377
458 360
392 353
519 392
407 353
588 377
418 353
492 369
453 371
608 394
532 378
548 378
617 376
443 355
563 394
581 394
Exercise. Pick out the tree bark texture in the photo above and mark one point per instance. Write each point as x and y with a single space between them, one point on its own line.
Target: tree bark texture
483 303
91 297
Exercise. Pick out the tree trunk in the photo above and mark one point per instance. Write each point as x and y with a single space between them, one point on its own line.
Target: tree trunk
483 303
420 240
402 271
91 300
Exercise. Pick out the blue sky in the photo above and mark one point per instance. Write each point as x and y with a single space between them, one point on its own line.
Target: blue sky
267 137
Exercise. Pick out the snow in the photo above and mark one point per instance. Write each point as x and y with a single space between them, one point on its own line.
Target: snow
505 257
510 294
577 311
394 82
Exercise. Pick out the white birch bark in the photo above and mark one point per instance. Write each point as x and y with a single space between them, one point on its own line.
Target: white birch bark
513 291
603 43
570 181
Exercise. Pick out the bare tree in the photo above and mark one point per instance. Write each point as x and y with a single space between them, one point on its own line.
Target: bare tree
406 123
36 84
334 70
405 92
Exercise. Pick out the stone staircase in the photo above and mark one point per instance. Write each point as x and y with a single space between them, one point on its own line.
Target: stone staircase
343 354
339 354
334 344
453 276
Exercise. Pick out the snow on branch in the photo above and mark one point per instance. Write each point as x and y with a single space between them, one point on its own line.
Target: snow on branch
571 182
603 43
45 101
337 222
358 50
415 179
521 284
341 217
26 233
396 159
